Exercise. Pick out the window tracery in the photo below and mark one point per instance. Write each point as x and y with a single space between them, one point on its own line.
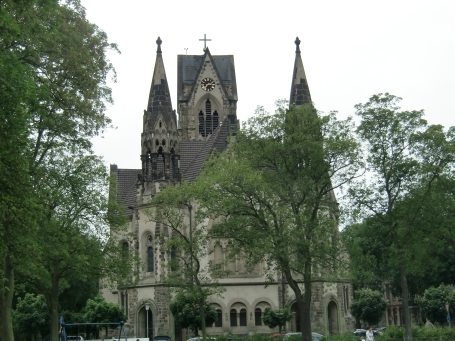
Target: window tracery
208 119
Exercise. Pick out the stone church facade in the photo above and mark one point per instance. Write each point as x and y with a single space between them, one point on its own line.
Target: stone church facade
175 148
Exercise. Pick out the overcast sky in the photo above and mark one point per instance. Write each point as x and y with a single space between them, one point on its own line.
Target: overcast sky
350 50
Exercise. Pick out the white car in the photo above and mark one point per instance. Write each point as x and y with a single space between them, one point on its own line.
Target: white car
314 336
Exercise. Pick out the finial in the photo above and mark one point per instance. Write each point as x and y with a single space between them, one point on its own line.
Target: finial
297 45
158 42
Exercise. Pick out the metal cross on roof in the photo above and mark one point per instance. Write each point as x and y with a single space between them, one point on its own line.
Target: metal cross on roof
205 40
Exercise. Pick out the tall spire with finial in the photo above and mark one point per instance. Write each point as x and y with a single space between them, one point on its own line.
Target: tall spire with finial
300 92
159 97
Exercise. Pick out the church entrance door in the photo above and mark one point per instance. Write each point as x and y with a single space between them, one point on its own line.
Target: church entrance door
332 311
145 318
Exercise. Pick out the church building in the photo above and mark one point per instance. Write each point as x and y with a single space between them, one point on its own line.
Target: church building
174 146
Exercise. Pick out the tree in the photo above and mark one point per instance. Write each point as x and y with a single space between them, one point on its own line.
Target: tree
31 317
405 158
432 303
277 318
272 193
188 246
368 305
74 228
97 310
53 86
186 311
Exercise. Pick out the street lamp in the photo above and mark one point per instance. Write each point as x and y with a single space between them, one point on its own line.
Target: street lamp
448 313
147 307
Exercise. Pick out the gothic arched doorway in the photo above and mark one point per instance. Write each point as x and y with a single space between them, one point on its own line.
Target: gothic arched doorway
332 317
295 322
145 319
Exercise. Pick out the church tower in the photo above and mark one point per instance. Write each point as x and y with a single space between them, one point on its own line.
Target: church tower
159 138
207 94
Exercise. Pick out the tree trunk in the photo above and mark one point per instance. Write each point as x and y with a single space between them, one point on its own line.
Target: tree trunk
203 327
6 300
405 301
53 309
303 303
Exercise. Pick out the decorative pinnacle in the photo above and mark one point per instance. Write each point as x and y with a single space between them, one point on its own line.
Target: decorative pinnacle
297 45
158 42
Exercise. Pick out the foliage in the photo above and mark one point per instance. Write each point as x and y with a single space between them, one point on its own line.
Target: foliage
405 159
188 246
278 317
432 303
53 68
31 316
186 312
97 310
271 195
368 305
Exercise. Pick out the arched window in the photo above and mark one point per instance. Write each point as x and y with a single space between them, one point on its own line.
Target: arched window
257 317
233 317
219 318
150 259
242 317
201 123
125 250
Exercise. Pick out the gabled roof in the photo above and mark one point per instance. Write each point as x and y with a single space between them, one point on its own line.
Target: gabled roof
300 92
189 68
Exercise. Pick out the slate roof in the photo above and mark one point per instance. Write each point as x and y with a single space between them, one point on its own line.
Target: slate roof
193 154
300 92
126 186
188 68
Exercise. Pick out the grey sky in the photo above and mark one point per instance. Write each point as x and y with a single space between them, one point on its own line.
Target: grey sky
350 50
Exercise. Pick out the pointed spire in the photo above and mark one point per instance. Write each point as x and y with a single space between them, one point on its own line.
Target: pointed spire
300 92
159 97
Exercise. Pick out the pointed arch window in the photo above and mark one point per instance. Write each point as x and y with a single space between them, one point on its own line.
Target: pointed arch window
209 120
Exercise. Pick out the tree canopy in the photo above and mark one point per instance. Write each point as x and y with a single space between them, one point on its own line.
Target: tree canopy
272 193
277 317
186 311
433 303
406 158
368 305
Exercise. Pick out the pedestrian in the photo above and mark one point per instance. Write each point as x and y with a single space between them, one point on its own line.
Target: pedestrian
369 334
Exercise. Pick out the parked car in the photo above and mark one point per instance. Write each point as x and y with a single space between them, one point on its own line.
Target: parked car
359 332
314 336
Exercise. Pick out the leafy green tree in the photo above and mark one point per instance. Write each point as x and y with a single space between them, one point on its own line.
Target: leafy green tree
97 310
188 246
74 228
53 68
272 193
405 158
185 309
368 305
31 317
432 303
277 317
